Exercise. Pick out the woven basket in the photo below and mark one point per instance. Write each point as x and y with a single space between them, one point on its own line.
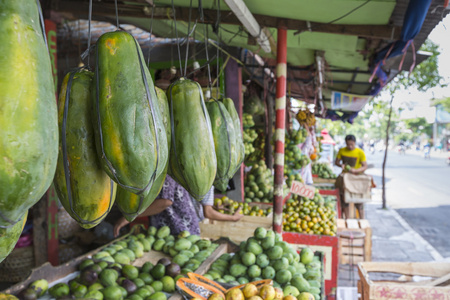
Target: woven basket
17 266
67 226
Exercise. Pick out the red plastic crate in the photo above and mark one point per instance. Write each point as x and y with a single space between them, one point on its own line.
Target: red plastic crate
326 244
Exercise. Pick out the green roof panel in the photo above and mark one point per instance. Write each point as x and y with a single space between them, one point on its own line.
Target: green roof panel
375 12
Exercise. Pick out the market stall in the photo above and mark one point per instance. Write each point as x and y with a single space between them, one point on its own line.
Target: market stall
182 90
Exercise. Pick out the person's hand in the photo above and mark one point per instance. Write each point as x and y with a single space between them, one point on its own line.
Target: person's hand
237 215
353 171
119 224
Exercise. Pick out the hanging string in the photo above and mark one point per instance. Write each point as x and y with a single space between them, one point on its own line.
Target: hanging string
41 18
187 39
176 34
218 52
89 35
205 30
151 32
117 15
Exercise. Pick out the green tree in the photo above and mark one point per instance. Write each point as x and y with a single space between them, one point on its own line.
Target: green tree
424 76
444 102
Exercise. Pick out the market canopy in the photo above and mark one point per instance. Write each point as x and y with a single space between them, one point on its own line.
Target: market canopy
346 35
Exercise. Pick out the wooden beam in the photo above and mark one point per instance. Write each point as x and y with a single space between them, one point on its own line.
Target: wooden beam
79 9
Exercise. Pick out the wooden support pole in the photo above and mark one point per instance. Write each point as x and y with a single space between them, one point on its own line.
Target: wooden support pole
233 90
280 112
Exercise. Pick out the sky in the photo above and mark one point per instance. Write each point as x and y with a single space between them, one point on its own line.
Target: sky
421 100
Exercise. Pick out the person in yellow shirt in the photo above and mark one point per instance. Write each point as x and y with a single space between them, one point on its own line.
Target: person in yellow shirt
350 157
353 160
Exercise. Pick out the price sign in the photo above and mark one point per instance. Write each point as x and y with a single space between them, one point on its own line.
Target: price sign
302 189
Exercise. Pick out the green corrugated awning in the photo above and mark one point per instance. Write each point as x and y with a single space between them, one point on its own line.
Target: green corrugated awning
374 12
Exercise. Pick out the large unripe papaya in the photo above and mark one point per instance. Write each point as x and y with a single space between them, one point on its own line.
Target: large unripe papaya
130 204
192 161
240 150
130 136
224 142
28 113
10 236
84 189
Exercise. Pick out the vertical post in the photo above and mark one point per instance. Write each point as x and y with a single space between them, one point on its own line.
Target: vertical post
280 112
233 90
383 173
435 133
52 199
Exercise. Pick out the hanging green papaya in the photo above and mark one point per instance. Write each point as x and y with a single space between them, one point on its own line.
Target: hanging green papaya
192 161
84 189
224 143
130 204
240 149
10 236
130 136
28 113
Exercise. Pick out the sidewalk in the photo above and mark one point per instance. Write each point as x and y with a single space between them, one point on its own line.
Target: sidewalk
392 240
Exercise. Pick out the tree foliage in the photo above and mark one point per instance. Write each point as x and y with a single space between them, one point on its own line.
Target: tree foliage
444 102
426 74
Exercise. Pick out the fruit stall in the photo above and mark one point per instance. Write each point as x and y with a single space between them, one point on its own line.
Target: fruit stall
118 96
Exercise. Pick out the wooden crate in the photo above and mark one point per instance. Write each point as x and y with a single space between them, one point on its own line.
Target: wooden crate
236 231
324 180
404 288
52 274
362 250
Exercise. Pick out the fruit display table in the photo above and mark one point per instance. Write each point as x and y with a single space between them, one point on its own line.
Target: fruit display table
154 260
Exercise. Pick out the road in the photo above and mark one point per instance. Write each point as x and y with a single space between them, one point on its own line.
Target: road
419 190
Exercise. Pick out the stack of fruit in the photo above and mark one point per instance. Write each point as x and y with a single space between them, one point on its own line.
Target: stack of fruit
259 184
251 291
311 216
295 136
249 134
294 158
293 177
110 275
259 146
226 205
267 256
323 170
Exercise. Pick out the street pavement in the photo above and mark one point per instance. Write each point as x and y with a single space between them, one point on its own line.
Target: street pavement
414 227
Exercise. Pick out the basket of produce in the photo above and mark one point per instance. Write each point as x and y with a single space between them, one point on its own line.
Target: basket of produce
323 173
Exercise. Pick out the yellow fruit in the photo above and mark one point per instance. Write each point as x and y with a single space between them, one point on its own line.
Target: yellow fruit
255 298
305 296
289 297
250 290
214 296
267 292
235 294
278 294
